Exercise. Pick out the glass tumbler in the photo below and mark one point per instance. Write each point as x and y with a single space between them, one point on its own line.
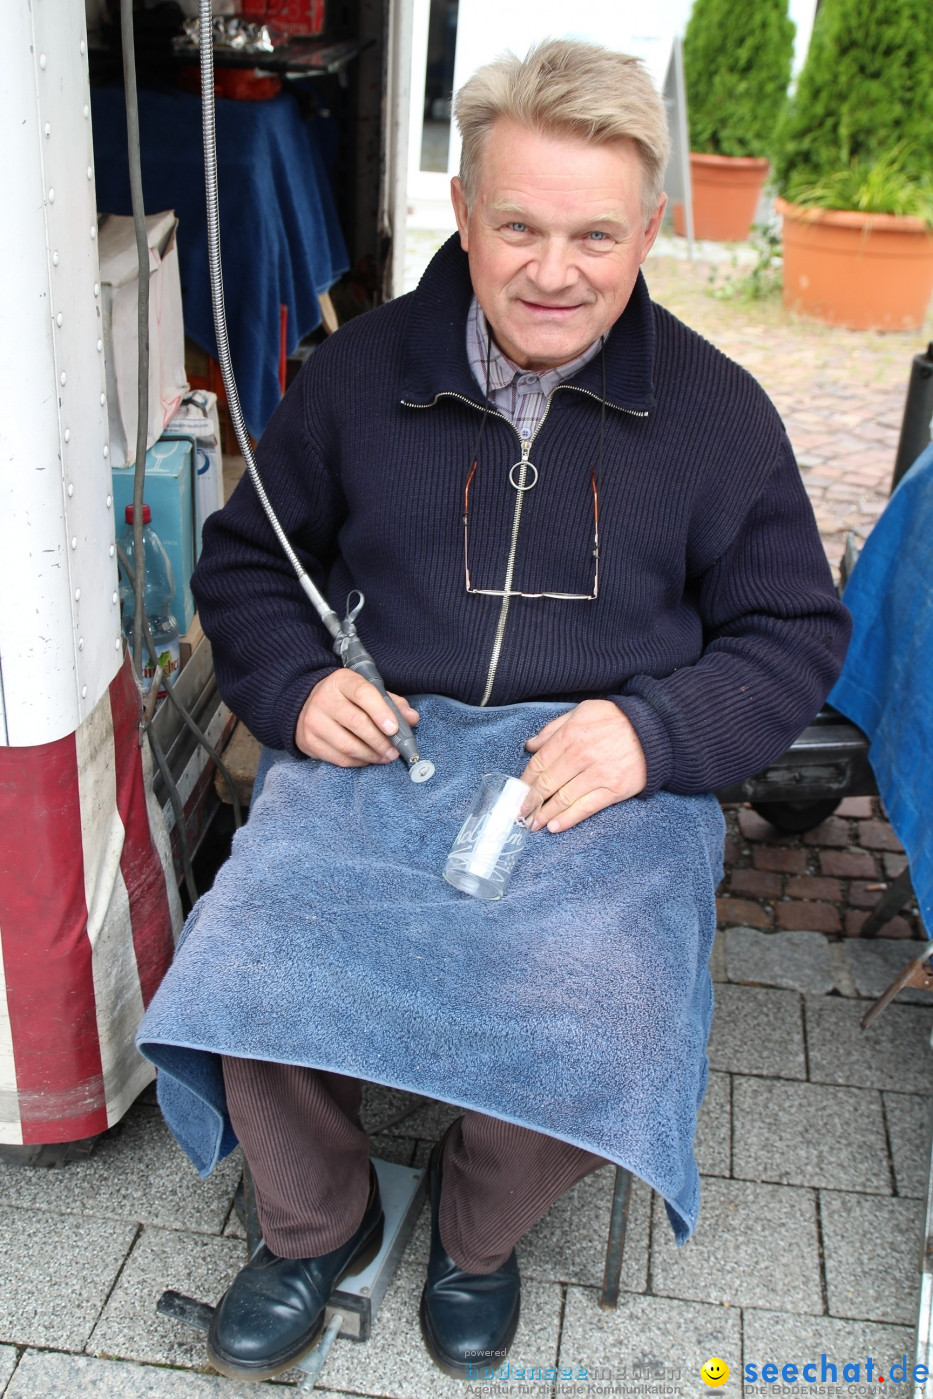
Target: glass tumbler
492 837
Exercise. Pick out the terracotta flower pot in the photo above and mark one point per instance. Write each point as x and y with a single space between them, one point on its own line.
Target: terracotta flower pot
726 190
864 271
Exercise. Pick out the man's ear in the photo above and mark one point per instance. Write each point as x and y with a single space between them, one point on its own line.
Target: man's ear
461 212
653 227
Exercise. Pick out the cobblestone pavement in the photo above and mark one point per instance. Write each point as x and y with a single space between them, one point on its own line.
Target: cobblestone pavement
813 1139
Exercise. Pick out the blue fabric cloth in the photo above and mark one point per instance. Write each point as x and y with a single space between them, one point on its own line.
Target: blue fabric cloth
578 1005
281 241
887 681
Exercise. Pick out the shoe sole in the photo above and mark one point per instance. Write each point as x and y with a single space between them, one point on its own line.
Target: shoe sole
234 1370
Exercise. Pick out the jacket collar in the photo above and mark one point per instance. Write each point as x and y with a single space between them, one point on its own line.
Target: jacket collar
434 347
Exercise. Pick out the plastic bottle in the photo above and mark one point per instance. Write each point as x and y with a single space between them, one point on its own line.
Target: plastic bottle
160 590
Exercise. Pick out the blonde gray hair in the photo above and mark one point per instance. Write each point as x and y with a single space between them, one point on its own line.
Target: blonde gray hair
564 87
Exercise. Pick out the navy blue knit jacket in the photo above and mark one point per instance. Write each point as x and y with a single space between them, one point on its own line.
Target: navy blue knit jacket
716 628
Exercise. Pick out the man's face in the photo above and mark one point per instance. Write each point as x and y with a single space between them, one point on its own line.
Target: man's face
555 239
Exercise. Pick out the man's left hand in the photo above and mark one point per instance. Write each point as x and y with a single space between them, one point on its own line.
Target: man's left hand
584 760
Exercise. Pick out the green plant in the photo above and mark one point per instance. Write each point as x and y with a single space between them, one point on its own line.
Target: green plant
860 125
759 282
737 60
873 187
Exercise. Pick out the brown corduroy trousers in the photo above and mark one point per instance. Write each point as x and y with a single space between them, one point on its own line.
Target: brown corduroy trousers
309 1157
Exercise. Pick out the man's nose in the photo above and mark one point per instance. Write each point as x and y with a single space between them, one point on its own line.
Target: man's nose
553 269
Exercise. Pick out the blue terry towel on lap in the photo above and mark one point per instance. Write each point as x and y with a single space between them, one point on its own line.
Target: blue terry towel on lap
578 1005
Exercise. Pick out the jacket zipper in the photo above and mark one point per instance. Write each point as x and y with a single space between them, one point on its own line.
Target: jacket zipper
526 445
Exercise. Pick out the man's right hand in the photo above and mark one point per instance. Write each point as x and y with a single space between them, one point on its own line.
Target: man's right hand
345 721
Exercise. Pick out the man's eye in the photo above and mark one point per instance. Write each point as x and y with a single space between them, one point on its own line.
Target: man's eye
517 227
597 236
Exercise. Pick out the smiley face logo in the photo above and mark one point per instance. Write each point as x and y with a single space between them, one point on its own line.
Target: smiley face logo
715 1372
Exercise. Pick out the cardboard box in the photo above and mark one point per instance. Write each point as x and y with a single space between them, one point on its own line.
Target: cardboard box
169 492
118 275
197 418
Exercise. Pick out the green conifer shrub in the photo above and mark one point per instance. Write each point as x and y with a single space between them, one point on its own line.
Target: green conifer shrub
859 130
737 62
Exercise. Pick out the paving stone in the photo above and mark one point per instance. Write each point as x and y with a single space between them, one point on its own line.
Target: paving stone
428 1122
199 1265
862 894
893 1053
896 927
717 960
871 1248
909 1119
730 911
878 835
395 1363
755 1246
876 962
802 1134
8 1356
831 832
757 1032
569 1243
713 1145
814 886
781 1337
894 865
758 884
794 914
648 1339
138 1173
855 807
799 961
766 857
83 1256
46 1375
849 864
841 970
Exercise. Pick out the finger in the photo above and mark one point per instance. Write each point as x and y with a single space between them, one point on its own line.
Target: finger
335 742
549 729
574 803
552 768
364 695
410 715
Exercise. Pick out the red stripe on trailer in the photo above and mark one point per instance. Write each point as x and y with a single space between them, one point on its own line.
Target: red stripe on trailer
140 865
46 952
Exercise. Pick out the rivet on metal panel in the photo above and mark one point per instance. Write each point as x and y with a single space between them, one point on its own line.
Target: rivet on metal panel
55 259
63 377
93 230
115 599
106 450
51 196
109 501
97 288
80 643
43 61
77 594
74 541
117 644
59 318
113 550
84 692
67 434
90 173
100 346
87 110
83 46
103 399
71 489
47 130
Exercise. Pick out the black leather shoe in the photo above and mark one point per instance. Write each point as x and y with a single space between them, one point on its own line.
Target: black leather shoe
273 1311
468 1320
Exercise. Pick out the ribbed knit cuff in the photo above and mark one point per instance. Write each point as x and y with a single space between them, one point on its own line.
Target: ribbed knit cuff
652 736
